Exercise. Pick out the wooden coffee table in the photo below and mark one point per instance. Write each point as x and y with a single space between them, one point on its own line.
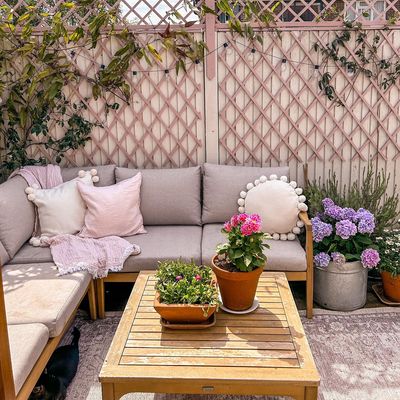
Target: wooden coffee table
265 352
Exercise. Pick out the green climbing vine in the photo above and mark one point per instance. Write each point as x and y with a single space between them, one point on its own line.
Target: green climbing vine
365 59
36 66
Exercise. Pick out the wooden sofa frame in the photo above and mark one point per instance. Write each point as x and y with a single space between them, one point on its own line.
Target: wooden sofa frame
306 276
7 389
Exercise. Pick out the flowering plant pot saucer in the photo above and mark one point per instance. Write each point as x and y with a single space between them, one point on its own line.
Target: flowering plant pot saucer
184 326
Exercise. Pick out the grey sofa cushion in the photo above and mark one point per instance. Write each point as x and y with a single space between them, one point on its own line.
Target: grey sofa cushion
106 173
17 215
222 185
162 243
27 342
35 293
4 257
29 254
282 256
168 196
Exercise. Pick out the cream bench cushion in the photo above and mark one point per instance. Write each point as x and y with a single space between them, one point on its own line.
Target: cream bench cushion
34 293
27 342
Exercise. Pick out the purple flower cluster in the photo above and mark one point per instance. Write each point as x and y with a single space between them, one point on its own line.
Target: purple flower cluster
322 259
345 229
366 221
370 258
320 229
338 258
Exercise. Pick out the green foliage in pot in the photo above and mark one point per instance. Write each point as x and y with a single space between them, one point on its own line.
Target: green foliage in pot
244 249
370 193
389 249
185 283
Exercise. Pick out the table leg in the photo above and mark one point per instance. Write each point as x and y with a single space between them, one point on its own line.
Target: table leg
107 391
311 393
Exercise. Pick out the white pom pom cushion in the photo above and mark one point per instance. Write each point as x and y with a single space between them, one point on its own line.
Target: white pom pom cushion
61 210
277 202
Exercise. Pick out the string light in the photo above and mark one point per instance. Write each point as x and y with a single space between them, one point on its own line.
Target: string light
284 64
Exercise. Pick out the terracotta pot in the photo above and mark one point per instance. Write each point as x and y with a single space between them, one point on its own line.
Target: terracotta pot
237 288
192 313
391 286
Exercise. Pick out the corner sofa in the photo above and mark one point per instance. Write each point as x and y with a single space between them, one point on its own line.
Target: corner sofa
183 212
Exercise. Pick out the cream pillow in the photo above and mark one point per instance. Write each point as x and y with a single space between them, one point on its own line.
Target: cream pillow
277 202
61 210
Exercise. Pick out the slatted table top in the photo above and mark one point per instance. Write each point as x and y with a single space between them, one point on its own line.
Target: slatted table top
268 345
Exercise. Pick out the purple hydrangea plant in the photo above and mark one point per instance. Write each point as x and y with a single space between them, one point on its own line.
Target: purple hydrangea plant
343 234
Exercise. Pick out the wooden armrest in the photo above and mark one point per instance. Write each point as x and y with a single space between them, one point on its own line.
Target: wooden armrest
307 223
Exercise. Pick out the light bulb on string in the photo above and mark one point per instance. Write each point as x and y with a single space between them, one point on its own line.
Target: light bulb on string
284 64
350 70
316 71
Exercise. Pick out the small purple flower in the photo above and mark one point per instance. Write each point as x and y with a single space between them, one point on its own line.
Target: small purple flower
345 229
322 259
366 225
349 213
327 202
179 278
338 258
320 229
334 212
362 213
370 258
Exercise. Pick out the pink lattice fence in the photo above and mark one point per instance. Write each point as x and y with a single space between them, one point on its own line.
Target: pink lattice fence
245 107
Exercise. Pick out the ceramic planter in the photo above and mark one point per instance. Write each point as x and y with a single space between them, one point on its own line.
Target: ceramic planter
237 289
391 286
341 287
191 313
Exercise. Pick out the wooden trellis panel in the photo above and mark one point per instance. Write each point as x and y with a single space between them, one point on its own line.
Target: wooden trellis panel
273 113
163 126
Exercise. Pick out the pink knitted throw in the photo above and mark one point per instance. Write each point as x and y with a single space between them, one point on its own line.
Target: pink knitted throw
46 177
97 256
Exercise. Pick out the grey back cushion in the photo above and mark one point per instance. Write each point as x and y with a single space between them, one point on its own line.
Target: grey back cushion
17 216
168 196
222 185
106 173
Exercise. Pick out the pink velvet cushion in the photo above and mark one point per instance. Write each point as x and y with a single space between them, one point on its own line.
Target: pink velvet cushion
113 210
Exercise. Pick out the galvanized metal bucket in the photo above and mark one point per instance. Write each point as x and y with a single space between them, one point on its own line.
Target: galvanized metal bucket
341 287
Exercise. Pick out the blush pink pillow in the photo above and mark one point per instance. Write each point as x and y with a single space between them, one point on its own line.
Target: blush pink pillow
112 210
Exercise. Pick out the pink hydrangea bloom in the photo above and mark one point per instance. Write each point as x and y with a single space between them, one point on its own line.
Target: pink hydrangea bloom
235 220
228 226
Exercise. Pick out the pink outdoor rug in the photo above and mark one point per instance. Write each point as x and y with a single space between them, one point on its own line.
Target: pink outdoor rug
357 354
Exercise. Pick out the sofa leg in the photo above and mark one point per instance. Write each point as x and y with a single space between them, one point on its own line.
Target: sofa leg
92 301
309 294
100 297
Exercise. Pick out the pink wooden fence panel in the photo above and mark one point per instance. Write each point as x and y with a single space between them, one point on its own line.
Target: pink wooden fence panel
244 107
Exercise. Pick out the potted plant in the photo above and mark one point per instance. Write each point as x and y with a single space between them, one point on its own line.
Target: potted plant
185 292
343 253
239 262
389 266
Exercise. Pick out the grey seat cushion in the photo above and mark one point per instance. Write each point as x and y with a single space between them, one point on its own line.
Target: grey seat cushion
27 342
17 217
29 254
282 256
34 293
222 185
162 243
106 173
168 196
